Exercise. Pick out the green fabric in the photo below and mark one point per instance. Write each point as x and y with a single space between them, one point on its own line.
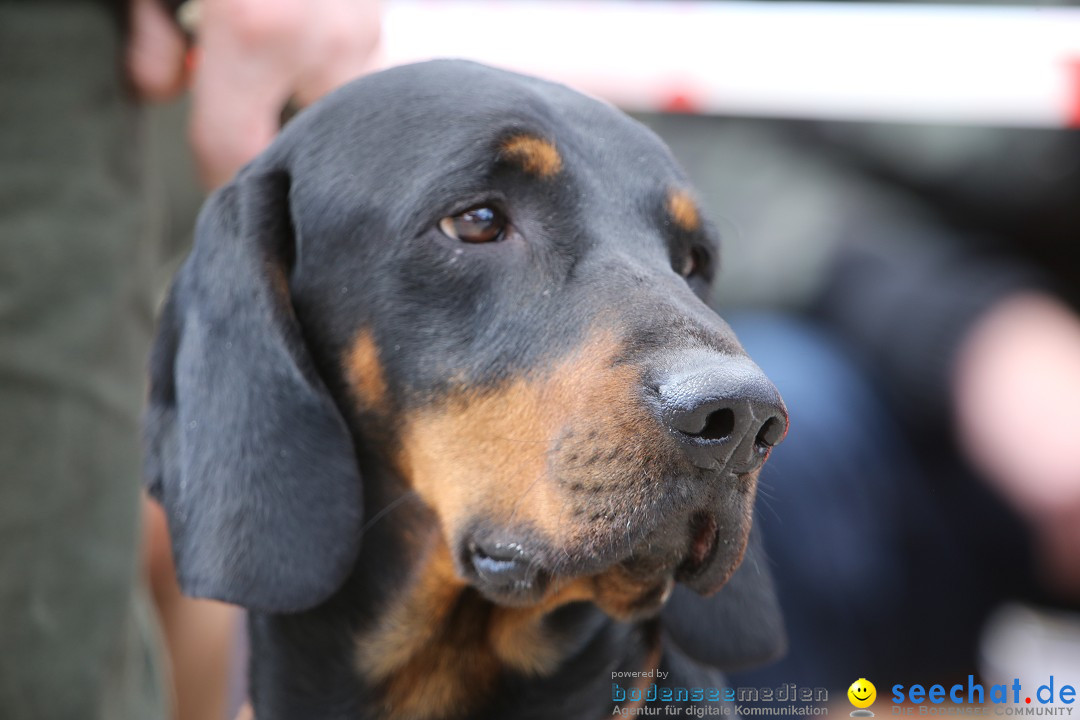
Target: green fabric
77 638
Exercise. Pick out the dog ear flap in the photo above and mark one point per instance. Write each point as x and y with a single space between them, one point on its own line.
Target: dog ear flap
738 628
246 450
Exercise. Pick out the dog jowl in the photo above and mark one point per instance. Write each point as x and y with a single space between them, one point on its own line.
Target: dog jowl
437 374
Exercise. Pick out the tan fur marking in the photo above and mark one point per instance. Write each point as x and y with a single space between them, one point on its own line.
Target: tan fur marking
428 650
279 283
439 650
518 637
364 372
490 453
567 452
683 210
535 154
628 598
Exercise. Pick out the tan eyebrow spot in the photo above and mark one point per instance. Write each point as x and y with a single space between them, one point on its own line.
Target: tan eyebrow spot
683 210
535 154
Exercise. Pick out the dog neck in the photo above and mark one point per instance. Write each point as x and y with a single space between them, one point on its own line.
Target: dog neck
438 649
441 646
424 645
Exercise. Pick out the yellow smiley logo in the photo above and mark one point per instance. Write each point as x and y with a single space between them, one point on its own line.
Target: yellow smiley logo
862 693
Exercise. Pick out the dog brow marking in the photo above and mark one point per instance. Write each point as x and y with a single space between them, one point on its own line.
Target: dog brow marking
364 372
683 210
535 154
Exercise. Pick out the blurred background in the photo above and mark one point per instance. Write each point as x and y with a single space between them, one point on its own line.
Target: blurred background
897 189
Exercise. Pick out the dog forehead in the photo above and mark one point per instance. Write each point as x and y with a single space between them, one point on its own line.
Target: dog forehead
387 155
419 116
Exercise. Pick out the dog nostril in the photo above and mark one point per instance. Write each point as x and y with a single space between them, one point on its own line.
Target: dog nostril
723 410
718 425
770 433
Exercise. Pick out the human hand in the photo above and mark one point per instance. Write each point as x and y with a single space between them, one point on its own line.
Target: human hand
254 55
155 52
1017 393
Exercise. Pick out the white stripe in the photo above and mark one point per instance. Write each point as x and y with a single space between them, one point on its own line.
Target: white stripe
935 63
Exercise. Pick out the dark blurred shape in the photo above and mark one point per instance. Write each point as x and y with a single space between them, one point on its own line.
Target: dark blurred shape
879 253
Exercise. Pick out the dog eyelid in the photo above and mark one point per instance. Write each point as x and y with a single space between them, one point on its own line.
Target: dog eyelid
478 224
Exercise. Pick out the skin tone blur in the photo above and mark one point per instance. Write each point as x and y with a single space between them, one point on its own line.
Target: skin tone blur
253 57
1017 399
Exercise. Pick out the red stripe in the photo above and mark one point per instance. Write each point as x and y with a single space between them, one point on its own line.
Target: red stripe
1073 118
681 100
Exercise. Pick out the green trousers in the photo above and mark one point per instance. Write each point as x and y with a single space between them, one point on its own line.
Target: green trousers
77 284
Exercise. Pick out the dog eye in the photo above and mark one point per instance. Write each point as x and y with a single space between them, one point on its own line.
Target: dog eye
476 225
694 264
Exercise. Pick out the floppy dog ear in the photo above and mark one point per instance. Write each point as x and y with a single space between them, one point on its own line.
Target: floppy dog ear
738 628
245 448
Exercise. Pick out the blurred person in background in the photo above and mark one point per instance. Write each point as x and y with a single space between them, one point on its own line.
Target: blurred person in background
920 287
79 226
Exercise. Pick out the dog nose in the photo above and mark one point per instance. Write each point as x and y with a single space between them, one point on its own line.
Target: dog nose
724 411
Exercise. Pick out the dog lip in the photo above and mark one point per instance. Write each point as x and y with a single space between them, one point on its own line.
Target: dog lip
489 566
505 561
505 572
704 541
655 597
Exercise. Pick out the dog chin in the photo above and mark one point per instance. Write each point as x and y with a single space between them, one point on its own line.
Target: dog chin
706 578
629 589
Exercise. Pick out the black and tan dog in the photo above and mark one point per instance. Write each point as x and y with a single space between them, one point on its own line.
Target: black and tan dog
435 396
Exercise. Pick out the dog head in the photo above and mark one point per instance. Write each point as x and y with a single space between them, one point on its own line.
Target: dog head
492 284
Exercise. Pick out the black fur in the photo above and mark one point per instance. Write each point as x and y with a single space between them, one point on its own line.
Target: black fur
247 451
254 447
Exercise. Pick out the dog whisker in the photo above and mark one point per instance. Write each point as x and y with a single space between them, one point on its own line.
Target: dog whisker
410 495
